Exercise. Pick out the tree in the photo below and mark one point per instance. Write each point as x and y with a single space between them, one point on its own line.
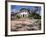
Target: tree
23 9
17 16
30 16
34 15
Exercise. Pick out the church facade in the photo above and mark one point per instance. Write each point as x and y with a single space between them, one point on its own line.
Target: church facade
24 12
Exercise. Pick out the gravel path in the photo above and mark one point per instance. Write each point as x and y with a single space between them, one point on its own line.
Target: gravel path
25 24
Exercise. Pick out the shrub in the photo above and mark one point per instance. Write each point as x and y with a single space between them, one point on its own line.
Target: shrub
34 15
17 16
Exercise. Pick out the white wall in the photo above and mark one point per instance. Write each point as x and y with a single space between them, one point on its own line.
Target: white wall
23 13
29 0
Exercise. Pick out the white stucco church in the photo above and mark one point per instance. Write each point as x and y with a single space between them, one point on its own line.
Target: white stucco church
24 12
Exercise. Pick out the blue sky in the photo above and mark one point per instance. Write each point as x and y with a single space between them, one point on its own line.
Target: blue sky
15 8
